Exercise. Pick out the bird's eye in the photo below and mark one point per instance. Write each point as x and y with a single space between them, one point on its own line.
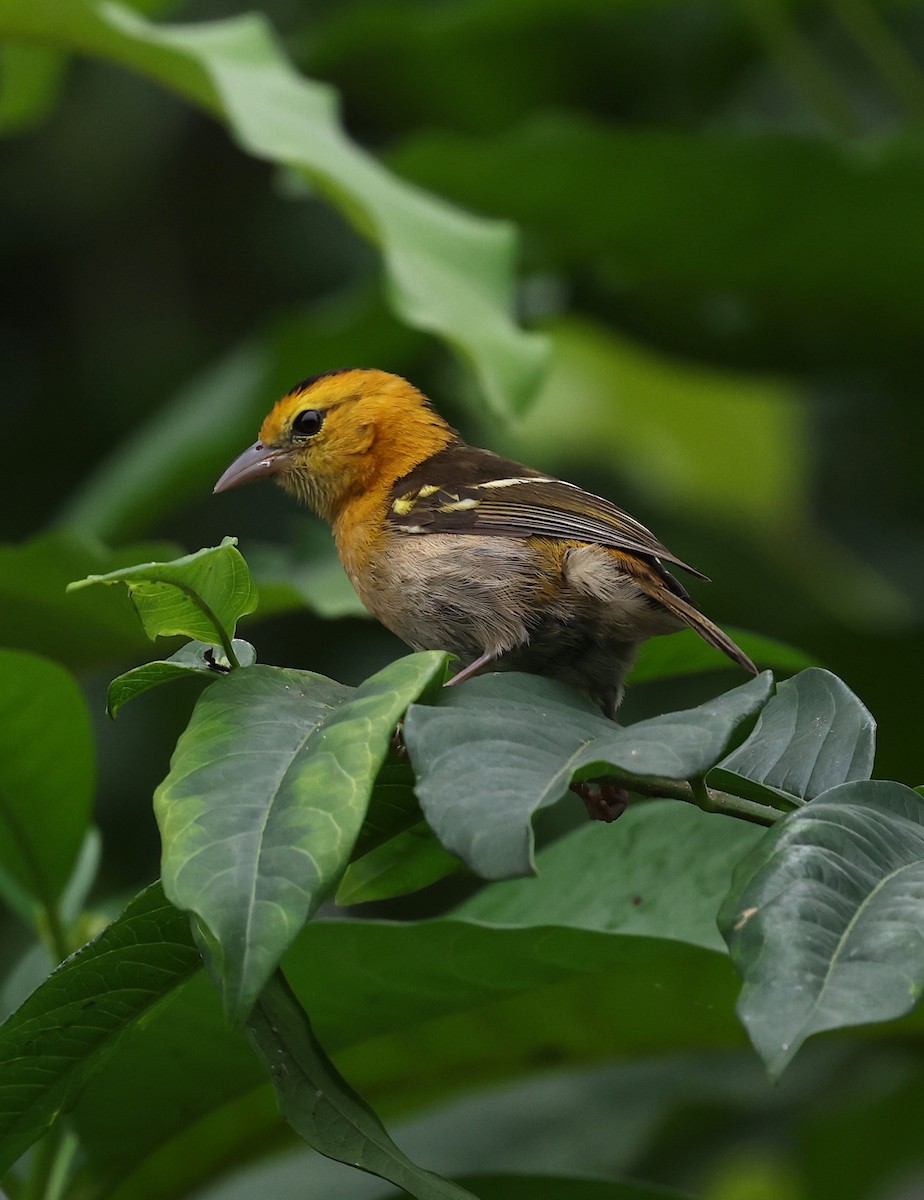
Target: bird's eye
307 423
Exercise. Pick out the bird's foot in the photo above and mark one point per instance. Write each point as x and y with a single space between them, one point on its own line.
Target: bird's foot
604 799
397 746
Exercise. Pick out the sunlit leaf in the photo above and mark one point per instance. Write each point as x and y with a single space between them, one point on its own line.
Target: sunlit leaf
201 596
266 795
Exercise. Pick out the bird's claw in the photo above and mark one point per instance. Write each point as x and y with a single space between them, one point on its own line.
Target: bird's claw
604 799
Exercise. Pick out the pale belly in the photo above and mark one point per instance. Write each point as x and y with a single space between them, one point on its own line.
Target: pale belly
474 595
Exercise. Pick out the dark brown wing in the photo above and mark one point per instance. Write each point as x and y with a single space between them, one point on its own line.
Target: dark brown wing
465 490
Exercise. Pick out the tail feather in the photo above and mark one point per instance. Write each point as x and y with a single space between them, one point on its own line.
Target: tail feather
706 629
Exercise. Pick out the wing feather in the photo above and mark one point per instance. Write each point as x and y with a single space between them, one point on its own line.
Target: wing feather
464 490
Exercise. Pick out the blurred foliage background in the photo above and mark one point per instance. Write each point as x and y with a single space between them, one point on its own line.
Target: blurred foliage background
720 217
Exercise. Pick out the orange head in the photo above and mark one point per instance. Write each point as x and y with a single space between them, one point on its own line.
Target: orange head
340 435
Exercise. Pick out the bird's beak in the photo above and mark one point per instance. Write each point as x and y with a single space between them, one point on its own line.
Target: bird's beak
257 462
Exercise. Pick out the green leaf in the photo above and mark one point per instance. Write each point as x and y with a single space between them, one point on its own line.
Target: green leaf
52 1044
254 850
30 81
251 851
813 735
824 917
304 577
697 439
80 630
661 870
407 862
322 1107
47 774
646 232
448 272
195 658
199 596
504 745
396 851
393 807
685 653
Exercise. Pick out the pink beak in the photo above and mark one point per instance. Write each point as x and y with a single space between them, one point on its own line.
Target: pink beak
257 462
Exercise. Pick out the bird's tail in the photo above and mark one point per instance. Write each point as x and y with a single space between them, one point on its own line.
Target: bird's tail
690 615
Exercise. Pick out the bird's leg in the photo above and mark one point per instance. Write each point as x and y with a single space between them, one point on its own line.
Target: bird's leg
472 669
397 744
605 799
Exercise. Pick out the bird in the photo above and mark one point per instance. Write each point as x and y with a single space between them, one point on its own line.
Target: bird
457 548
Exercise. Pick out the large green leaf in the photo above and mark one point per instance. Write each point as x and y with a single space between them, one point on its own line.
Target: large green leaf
811 736
52 1044
81 629
201 596
322 1107
666 212
824 918
448 272
253 850
502 746
47 774
614 877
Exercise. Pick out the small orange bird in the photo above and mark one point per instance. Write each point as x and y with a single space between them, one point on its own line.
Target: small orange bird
458 549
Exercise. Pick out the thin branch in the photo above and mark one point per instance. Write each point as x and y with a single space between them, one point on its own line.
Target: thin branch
708 799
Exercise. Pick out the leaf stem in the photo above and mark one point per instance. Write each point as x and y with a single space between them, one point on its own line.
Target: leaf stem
708 799
226 641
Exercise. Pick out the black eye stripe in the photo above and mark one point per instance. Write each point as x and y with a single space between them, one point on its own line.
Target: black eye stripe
307 423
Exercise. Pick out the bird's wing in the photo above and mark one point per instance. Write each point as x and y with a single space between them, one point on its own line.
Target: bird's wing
464 490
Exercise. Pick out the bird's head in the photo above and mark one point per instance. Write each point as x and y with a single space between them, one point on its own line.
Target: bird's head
340 435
